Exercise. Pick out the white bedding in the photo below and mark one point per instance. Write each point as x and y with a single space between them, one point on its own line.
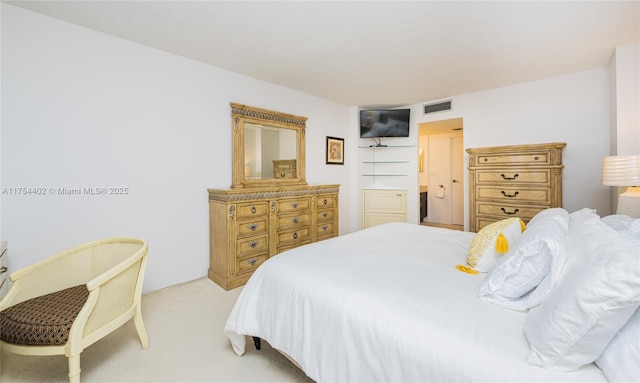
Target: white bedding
386 304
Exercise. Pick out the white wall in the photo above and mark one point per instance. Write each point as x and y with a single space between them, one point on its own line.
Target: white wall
573 108
625 97
84 109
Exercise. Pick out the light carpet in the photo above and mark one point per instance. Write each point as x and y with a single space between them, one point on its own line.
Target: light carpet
186 344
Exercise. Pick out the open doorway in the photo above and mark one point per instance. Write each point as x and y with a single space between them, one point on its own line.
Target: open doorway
441 176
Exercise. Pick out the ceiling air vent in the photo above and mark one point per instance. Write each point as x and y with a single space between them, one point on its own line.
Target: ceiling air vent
438 107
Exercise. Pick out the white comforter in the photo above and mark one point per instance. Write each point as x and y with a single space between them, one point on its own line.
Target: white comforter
386 304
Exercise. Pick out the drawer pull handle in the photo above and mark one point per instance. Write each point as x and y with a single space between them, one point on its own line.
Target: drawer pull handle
325 214
295 235
510 195
252 261
536 158
3 269
294 219
253 244
325 227
325 201
252 226
283 174
510 178
510 213
253 210
294 205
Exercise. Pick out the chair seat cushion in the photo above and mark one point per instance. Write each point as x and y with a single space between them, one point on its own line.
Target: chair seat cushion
44 320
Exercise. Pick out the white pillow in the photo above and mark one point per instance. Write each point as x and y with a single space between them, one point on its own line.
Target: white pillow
619 222
492 241
624 223
598 291
620 361
523 277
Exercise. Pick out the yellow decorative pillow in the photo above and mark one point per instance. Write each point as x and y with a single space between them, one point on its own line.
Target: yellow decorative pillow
492 241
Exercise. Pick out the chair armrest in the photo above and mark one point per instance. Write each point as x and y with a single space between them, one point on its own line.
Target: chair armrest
116 270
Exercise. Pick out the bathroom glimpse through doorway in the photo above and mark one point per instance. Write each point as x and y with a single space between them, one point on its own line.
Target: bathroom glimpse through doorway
442 175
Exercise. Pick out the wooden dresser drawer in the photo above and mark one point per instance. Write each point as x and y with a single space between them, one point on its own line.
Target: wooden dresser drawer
325 202
255 209
292 205
284 169
502 211
325 215
252 227
279 173
250 263
482 221
284 164
514 194
325 230
251 245
293 237
514 176
293 221
542 157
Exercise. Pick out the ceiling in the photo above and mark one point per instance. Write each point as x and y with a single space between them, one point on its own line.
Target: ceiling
371 53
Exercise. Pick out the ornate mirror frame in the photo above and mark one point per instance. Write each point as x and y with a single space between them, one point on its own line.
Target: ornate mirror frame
244 114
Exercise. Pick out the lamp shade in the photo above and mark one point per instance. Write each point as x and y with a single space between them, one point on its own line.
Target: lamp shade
621 170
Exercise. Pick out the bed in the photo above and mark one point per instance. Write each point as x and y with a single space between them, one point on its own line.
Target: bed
391 304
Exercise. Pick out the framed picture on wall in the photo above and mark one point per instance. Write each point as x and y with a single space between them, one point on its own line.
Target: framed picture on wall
335 151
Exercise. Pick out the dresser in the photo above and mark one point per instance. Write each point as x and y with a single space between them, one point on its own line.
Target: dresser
513 181
248 226
382 206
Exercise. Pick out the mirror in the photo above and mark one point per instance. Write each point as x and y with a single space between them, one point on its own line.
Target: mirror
268 147
265 146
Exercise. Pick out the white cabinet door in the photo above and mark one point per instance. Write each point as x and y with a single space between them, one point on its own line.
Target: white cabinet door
382 206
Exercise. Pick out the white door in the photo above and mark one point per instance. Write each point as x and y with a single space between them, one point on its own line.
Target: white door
438 191
445 187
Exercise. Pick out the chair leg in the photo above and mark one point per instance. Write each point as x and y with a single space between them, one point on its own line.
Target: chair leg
142 332
74 369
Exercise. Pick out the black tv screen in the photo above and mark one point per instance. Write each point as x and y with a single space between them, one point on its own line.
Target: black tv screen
384 123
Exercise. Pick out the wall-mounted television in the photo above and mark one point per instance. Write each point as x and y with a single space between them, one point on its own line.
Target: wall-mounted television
384 123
